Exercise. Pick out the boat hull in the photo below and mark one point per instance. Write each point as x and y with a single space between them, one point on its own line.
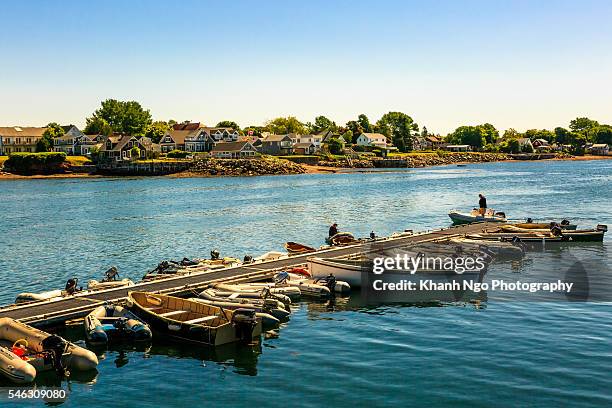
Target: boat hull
461 218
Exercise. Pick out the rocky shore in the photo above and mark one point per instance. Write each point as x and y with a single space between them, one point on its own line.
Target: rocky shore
244 167
416 160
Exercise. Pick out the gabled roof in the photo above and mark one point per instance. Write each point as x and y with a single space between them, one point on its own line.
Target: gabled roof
230 146
434 139
276 138
303 145
187 126
19 131
375 136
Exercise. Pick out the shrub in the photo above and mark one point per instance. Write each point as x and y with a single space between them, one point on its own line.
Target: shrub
177 154
28 162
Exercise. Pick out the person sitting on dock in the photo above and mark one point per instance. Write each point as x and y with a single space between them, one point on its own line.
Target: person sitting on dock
333 230
482 203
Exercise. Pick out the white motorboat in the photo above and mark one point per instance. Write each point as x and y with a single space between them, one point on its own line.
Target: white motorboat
474 216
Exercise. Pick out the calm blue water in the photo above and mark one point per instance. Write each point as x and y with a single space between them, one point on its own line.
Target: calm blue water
501 353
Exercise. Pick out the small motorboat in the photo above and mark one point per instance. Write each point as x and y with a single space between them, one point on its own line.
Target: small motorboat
110 281
268 305
474 216
260 290
525 238
318 288
70 289
498 248
112 322
186 320
295 248
586 235
565 224
26 351
341 239
359 272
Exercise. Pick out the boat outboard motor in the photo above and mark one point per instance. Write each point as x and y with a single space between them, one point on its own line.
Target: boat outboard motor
281 277
329 281
214 254
111 275
57 346
516 241
556 230
245 321
372 235
501 214
188 262
602 227
529 220
247 259
565 223
71 286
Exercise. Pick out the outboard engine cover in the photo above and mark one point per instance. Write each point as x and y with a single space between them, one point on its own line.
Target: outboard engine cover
71 285
57 346
245 321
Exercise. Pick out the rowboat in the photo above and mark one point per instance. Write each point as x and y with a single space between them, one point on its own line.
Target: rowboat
543 225
186 320
113 322
297 248
26 351
359 272
474 216
528 238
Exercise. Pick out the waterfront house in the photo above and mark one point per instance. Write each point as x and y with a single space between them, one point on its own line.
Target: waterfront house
541 145
86 143
19 139
277 144
372 139
68 142
304 148
525 144
419 143
233 150
315 139
119 147
195 137
600 149
434 143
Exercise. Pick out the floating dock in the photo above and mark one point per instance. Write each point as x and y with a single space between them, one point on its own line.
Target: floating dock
55 312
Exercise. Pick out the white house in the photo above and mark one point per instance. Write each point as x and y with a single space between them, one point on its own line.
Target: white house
233 150
372 139
600 149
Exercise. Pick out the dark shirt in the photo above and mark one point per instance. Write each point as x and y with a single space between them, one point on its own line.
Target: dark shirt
333 231
483 202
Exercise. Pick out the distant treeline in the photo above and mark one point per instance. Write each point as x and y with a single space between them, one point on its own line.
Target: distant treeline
131 118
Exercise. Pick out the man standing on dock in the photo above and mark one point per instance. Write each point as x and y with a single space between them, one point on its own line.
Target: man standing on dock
333 230
482 203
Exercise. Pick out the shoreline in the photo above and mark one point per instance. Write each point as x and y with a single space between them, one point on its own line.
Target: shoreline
309 169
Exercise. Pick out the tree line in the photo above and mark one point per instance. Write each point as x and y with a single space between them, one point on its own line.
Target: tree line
129 117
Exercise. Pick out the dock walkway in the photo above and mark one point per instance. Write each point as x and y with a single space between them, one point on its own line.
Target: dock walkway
47 313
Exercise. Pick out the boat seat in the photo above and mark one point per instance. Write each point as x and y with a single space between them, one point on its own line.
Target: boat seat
173 313
200 319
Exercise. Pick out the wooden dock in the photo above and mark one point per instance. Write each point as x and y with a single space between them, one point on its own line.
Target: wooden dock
49 313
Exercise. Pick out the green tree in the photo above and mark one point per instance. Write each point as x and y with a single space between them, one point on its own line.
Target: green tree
562 135
156 130
97 126
601 134
474 136
547 135
290 124
400 128
582 124
364 122
335 146
45 143
228 124
123 116
490 133
135 152
322 123
348 136
511 134
355 128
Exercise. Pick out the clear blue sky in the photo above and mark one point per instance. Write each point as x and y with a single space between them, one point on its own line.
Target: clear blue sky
521 64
